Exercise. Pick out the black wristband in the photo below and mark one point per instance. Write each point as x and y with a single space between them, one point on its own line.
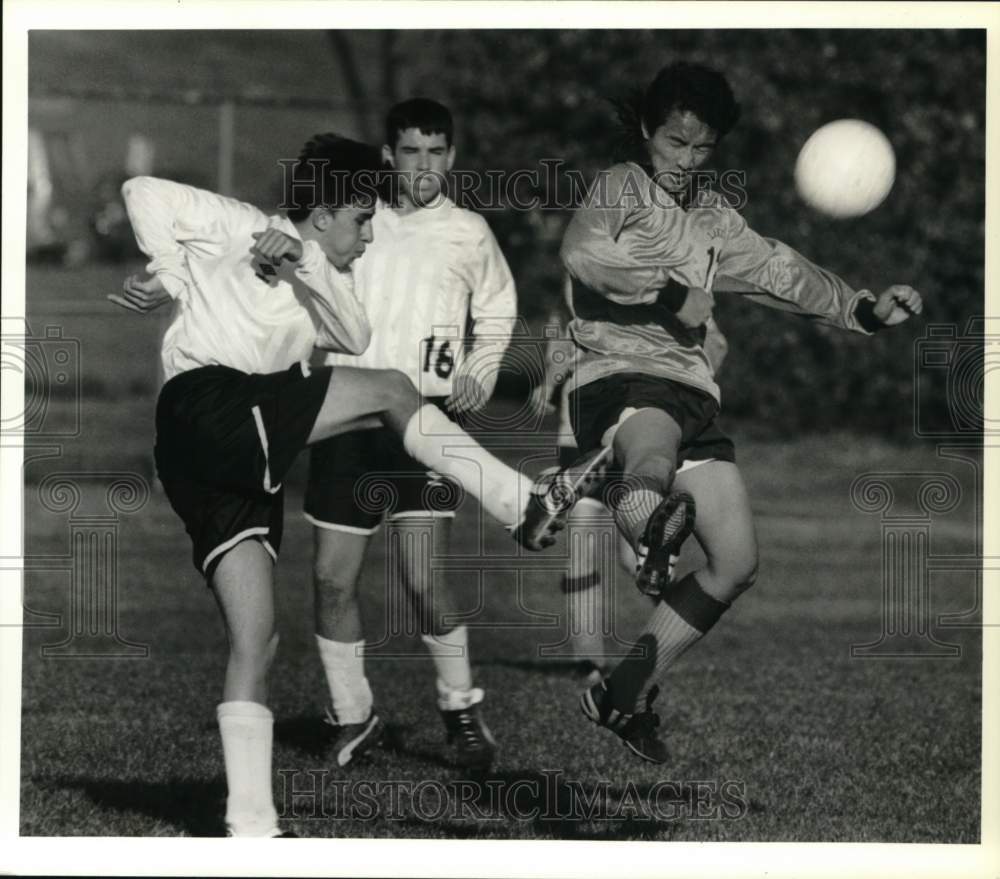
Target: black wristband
864 313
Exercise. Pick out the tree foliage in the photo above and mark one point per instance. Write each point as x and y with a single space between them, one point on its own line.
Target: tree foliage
523 96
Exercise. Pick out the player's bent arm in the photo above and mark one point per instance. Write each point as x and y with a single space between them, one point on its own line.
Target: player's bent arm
168 218
786 280
593 254
342 322
493 309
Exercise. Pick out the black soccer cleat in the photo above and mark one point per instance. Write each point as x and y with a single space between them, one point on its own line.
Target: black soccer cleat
637 731
351 740
666 530
469 738
554 495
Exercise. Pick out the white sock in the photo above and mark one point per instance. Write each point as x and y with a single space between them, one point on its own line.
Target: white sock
247 730
440 444
585 604
344 664
457 700
450 653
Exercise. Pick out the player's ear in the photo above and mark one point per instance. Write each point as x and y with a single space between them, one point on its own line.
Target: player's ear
645 133
321 218
388 156
451 156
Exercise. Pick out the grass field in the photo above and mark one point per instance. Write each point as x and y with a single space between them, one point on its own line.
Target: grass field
776 732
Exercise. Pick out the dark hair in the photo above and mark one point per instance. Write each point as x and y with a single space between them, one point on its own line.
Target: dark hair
333 172
679 86
423 113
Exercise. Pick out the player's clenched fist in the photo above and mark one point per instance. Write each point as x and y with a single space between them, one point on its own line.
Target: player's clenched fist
697 307
896 303
274 245
140 294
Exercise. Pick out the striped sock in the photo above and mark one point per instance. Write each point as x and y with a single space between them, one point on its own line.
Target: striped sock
632 512
685 614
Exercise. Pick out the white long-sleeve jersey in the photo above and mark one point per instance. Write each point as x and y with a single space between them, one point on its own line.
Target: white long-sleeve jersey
229 310
421 280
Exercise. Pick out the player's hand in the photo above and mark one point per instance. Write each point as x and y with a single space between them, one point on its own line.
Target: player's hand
697 307
273 245
540 401
896 303
141 295
467 395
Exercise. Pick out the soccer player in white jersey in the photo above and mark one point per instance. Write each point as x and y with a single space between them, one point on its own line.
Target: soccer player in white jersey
644 387
253 295
432 268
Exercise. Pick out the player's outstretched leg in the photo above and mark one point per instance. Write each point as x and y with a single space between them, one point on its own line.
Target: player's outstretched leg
555 493
365 397
688 608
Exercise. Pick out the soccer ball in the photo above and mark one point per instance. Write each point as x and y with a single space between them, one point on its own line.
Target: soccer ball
845 169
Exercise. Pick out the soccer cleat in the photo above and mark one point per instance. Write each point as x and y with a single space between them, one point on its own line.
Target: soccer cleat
351 740
666 530
472 743
554 495
637 731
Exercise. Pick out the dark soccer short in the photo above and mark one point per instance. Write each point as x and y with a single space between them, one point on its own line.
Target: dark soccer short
596 407
224 441
358 479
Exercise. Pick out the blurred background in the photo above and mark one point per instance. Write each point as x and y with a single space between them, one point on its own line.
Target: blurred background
217 108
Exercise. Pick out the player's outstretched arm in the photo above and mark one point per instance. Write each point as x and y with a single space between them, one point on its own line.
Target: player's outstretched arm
788 281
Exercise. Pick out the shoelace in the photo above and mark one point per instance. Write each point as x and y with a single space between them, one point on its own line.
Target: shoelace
467 728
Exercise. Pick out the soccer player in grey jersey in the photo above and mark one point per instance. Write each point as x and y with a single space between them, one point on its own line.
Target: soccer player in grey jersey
644 386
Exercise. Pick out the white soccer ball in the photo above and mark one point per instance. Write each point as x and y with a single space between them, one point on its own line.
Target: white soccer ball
845 169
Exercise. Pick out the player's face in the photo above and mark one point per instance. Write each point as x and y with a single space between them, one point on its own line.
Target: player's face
345 233
423 159
682 144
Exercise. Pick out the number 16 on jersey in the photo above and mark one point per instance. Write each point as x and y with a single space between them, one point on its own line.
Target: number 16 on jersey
438 356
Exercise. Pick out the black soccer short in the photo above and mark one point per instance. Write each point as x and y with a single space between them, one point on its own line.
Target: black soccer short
358 479
596 407
224 441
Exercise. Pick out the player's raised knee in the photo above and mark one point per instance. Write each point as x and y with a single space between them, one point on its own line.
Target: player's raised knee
654 469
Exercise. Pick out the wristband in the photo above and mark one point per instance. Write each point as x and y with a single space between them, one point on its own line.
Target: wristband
864 314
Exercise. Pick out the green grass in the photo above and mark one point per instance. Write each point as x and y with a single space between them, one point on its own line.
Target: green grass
816 745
